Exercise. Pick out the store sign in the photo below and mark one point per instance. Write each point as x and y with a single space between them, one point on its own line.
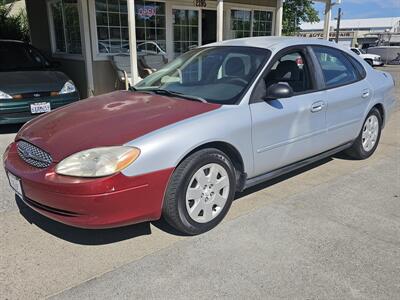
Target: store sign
200 3
146 11
332 35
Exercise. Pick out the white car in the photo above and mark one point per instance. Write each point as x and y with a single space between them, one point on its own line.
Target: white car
372 59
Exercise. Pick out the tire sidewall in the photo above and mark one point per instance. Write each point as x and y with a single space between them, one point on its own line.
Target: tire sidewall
213 156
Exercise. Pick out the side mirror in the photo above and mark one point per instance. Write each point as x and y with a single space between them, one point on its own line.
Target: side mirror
279 90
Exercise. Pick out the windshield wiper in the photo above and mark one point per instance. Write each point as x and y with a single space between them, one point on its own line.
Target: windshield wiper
177 94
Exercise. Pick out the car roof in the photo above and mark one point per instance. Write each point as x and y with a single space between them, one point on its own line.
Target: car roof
274 42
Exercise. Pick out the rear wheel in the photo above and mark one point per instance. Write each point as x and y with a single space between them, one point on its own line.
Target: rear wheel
368 139
200 192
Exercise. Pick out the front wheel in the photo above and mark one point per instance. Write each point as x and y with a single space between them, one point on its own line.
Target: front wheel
367 141
200 192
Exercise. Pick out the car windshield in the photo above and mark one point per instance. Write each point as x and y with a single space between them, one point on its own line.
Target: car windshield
20 57
215 74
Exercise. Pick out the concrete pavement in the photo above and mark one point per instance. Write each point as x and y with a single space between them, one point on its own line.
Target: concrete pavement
331 230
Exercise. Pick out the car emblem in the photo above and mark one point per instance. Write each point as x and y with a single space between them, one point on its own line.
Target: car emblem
28 154
36 95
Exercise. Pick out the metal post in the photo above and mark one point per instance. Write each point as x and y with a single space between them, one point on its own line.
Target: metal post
220 20
132 41
338 25
327 19
278 17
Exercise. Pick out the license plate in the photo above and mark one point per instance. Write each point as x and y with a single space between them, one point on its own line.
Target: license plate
39 108
15 184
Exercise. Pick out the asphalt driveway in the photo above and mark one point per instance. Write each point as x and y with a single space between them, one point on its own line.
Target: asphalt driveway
331 230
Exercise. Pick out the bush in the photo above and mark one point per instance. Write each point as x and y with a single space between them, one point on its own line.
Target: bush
13 27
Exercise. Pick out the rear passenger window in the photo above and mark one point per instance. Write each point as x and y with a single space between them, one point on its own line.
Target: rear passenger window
336 68
360 69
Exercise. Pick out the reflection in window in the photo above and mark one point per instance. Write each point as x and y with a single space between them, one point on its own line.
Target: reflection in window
336 68
246 23
186 30
65 18
262 23
150 26
240 23
112 25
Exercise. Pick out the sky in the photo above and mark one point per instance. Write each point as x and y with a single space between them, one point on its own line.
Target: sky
360 9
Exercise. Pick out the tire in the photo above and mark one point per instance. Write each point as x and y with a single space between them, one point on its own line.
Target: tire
184 213
360 150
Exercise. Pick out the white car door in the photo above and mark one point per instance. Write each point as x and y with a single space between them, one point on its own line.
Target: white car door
348 94
291 129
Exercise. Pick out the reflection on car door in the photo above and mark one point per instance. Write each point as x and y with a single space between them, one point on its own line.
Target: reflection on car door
347 95
287 130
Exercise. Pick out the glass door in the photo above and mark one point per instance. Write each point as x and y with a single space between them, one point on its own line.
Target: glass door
186 30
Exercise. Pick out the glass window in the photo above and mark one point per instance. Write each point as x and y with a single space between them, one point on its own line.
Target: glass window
186 30
290 68
112 25
240 23
246 23
262 23
336 68
150 25
20 57
216 74
67 34
360 69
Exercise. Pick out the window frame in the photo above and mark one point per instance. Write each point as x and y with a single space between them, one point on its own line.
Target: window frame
251 9
98 56
58 54
304 50
346 56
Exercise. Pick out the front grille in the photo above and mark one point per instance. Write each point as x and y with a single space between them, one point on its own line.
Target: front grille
36 95
33 155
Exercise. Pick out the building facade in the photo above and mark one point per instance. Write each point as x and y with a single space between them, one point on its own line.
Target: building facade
85 35
354 32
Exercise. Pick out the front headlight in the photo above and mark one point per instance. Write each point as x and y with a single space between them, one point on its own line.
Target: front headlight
68 88
5 95
98 162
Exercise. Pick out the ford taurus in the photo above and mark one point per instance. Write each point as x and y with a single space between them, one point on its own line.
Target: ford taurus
183 141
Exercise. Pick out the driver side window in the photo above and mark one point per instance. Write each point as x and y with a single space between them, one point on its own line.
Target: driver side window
291 68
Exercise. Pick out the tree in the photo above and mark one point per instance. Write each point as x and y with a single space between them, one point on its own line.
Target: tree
295 12
13 27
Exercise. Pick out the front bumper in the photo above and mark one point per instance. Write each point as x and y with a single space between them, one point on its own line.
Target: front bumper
112 201
378 63
18 111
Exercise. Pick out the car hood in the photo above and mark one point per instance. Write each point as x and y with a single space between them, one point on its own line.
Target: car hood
107 120
20 82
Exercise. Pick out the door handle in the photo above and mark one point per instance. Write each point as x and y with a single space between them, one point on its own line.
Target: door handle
317 106
365 93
